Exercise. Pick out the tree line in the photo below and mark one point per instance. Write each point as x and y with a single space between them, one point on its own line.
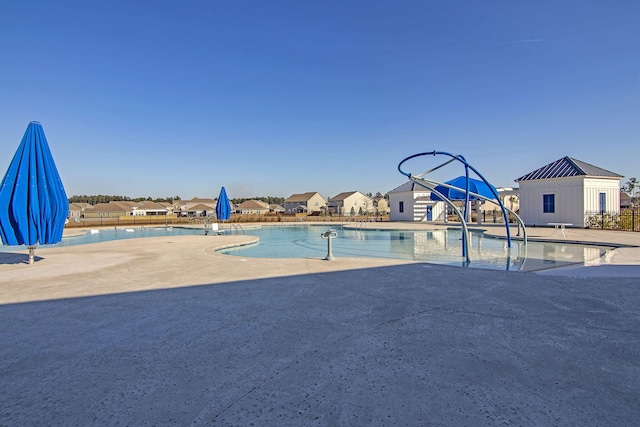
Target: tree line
103 198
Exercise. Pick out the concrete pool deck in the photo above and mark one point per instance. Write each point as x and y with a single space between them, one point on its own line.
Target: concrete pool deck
164 331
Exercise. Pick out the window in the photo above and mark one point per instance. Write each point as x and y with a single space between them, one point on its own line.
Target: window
548 203
602 202
401 207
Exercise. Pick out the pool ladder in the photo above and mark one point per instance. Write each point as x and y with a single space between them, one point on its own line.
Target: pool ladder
236 227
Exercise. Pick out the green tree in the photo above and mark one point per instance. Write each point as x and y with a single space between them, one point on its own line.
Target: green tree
630 187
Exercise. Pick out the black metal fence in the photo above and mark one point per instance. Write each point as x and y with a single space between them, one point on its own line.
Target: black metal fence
625 220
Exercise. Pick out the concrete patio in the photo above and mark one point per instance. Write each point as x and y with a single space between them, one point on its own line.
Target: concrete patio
164 331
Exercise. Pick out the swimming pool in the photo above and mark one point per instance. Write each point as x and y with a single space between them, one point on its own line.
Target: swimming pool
441 246
117 233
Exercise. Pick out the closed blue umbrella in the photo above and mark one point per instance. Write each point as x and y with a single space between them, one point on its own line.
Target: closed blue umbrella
33 203
223 207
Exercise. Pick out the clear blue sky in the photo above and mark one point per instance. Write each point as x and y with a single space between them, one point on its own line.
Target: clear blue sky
275 97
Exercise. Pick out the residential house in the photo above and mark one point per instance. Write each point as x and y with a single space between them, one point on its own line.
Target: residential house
275 208
111 210
149 208
509 198
350 203
412 202
170 207
199 209
381 205
77 209
568 191
626 201
304 203
252 207
184 207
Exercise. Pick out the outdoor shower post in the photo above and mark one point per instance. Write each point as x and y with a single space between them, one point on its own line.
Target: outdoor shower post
329 234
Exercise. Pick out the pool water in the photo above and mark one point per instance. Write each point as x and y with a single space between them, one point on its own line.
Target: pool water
119 233
433 246
442 246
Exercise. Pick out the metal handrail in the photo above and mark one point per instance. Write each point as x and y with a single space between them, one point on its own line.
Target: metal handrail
237 227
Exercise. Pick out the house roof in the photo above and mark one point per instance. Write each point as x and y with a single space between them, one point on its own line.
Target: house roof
408 186
79 206
343 195
199 200
149 205
253 204
112 207
200 207
567 167
304 197
130 204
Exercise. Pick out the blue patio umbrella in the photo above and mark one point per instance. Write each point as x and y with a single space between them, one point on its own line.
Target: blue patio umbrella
475 186
33 203
223 207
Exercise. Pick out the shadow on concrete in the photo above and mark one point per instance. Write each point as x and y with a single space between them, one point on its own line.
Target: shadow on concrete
403 345
16 258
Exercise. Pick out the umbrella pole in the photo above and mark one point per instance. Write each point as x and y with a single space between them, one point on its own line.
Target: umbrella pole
32 250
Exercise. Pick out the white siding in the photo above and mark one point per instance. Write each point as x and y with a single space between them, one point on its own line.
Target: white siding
415 206
438 212
315 203
356 201
593 188
394 205
574 196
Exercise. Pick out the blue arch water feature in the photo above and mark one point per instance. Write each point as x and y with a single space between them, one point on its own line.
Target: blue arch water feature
483 191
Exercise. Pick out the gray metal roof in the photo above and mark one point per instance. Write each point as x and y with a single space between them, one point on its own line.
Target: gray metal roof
567 167
408 186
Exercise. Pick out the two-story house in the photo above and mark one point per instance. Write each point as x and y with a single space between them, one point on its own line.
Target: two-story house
350 203
304 203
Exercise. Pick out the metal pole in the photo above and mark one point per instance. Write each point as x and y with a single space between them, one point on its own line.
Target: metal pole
329 234
31 254
329 256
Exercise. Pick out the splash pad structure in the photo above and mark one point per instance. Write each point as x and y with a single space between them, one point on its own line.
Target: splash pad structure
462 188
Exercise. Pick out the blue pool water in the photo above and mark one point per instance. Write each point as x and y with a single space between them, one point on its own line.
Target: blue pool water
433 246
119 233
